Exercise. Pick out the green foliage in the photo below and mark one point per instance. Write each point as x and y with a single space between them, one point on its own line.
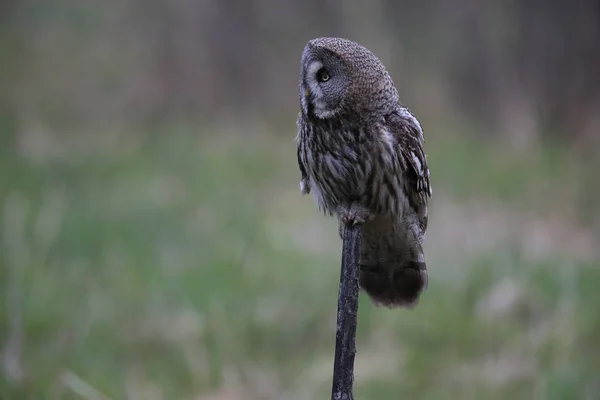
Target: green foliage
178 266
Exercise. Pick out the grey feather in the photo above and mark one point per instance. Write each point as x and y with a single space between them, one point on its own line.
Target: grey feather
360 154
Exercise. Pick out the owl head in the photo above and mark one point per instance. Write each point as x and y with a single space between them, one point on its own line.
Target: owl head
341 78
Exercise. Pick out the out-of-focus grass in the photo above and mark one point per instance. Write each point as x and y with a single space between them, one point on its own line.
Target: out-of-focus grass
188 266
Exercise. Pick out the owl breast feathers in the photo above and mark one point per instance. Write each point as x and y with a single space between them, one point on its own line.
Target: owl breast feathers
360 153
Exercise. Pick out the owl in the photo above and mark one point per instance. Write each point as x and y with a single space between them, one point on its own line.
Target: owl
360 154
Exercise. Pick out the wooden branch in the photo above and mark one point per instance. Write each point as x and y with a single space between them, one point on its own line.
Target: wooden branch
345 346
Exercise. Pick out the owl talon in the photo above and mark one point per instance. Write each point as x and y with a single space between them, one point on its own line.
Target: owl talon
354 215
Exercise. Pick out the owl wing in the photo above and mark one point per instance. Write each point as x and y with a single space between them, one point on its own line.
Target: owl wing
304 183
408 134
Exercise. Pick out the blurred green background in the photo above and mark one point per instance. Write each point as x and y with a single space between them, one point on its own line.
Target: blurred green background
154 243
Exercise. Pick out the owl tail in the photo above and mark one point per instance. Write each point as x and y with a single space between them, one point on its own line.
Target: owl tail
395 287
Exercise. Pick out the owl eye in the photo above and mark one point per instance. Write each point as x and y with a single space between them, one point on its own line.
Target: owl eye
323 76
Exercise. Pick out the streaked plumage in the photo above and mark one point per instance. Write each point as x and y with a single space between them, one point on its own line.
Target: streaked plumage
360 153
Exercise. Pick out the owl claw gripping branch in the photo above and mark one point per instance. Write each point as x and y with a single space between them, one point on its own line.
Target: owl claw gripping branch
360 154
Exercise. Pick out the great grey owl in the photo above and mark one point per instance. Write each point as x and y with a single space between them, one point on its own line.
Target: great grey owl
360 153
